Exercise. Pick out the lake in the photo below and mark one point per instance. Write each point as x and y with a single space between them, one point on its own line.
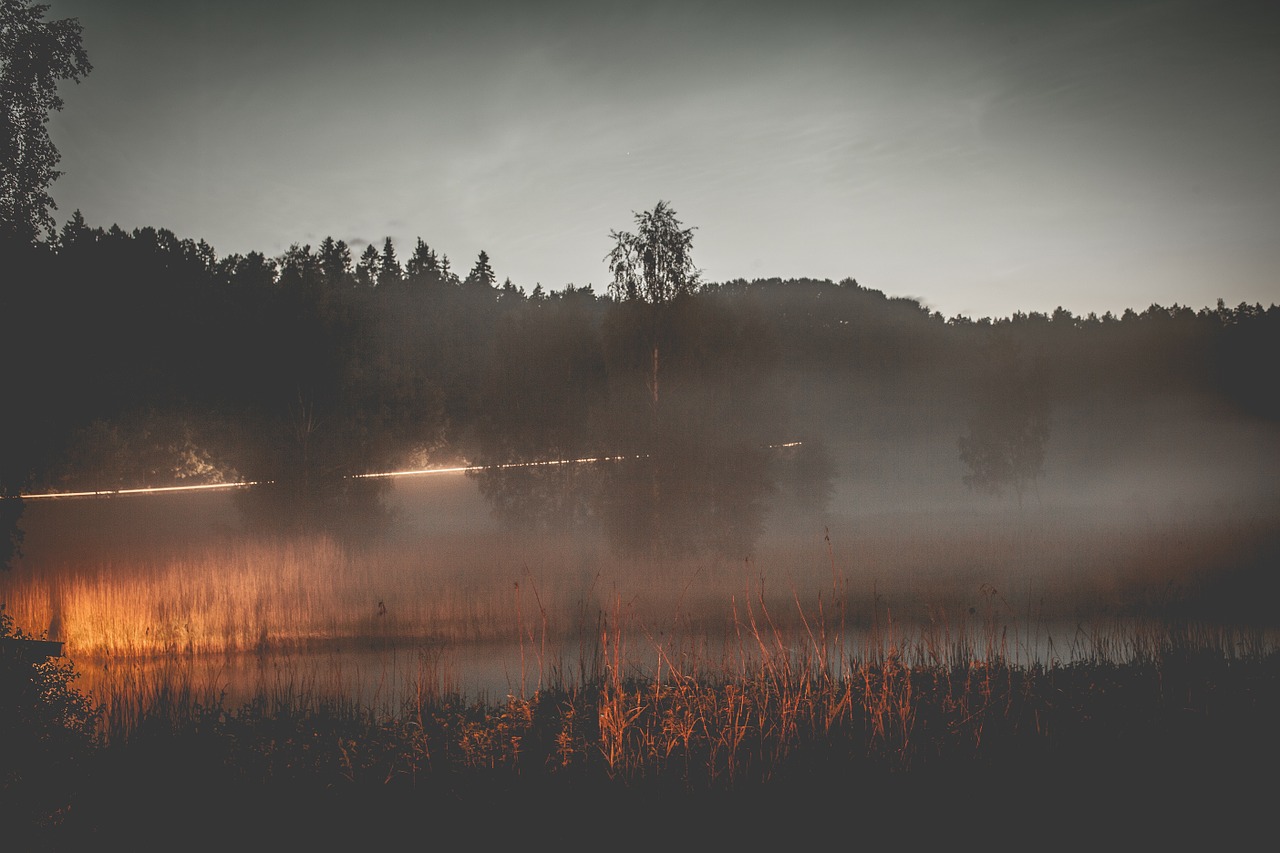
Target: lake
173 589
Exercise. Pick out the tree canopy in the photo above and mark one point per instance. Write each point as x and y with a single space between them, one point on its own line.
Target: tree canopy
35 56
654 264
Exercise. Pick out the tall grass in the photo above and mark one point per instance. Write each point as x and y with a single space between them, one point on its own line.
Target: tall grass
892 643
769 703
256 594
794 704
134 594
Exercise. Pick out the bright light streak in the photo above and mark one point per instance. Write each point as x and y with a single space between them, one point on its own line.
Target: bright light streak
150 490
465 468
416 472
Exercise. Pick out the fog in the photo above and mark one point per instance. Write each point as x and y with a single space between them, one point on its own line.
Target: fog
805 449
1160 507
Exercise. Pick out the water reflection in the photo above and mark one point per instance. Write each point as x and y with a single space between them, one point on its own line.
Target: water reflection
439 603
688 495
394 678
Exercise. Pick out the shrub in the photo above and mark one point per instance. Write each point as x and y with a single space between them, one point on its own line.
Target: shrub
48 730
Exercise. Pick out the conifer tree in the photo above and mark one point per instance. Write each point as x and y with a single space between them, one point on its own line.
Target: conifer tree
423 267
389 273
368 266
481 274
335 263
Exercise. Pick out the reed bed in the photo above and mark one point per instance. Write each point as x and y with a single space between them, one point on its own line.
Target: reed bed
821 670
775 712
234 593
638 702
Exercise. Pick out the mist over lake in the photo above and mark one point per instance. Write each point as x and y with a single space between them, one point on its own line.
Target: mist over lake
662 425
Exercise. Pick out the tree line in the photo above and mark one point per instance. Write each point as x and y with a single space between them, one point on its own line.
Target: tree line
139 358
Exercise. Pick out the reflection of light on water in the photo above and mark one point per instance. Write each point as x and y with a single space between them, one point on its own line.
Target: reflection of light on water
382 680
200 612
392 680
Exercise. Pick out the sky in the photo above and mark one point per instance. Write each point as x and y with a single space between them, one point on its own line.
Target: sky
984 158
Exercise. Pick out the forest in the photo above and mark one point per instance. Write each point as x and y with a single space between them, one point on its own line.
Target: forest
144 359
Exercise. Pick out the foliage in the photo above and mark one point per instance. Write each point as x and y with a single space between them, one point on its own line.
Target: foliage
299 370
35 56
47 731
11 535
139 449
540 393
389 272
654 264
884 737
481 275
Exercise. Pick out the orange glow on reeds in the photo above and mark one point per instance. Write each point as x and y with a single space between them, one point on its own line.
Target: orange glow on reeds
254 593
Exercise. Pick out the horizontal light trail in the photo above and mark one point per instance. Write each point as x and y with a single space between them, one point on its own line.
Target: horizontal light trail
415 472
465 468
148 490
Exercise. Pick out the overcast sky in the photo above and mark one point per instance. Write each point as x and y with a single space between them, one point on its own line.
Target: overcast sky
983 157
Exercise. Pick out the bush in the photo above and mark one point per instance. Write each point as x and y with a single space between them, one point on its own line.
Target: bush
48 731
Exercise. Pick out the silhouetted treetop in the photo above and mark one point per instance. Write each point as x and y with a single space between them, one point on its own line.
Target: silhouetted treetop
423 267
389 272
368 267
655 263
481 275
307 370
35 56
335 263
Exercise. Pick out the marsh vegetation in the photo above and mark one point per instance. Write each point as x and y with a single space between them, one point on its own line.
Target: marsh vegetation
680 563
823 552
887 665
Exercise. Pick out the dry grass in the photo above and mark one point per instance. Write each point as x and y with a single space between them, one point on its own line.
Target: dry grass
217 595
784 712
889 646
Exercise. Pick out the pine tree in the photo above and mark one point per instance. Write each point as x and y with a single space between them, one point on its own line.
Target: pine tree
368 266
446 273
423 266
335 263
300 267
389 274
75 232
481 275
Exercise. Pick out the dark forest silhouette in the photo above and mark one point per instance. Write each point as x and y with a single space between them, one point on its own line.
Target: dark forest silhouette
138 358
